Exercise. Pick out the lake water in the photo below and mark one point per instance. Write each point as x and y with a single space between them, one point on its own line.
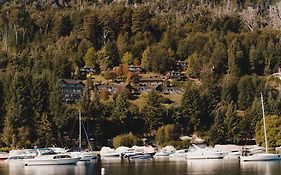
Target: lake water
149 167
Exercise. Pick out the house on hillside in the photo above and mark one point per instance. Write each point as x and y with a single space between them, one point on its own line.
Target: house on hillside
181 65
168 89
135 69
72 89
175 75
109 88
87 71
151 81
142 89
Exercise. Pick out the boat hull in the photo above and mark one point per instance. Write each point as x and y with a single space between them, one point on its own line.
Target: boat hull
84 156
68 161
261 157
205 155
140 156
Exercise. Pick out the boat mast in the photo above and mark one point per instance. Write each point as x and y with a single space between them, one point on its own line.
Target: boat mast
264 128
80 139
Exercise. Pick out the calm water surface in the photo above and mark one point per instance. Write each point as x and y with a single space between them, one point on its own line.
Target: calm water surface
149 167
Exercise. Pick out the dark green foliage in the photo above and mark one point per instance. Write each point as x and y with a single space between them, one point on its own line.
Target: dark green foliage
153 111
273 129
229 56
191 108
121 106
166 134
128 140
18 127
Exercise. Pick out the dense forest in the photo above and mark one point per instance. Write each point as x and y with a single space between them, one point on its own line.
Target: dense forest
232 48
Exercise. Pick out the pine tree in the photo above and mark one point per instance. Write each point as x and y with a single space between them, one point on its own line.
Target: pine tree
18 126
153 111
191 107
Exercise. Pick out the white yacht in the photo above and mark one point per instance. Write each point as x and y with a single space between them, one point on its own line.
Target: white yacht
82 154
195 152
107 152
261 156
49 157
17 156
179 154
4 155
137 154
166 151
235 155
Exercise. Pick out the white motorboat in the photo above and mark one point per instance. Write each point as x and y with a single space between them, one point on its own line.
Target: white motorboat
83 155
246 157
195 152
51 158
136 154
109 153
179 154
260 157
4 155
17 156
232 155
166 151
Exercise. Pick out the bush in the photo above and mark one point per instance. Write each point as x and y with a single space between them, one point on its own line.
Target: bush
126 140
166 134
182 144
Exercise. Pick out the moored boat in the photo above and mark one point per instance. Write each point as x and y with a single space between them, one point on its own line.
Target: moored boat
179 154
137 154
107 152
4 155
51 158
166 151
195 152
246 157
260 157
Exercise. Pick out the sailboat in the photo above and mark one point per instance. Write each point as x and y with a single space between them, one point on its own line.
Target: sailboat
82 154
262 156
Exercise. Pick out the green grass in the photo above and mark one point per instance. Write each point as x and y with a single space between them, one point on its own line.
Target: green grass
176 98
99 78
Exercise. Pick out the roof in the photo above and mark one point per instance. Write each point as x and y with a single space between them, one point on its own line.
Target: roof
72 81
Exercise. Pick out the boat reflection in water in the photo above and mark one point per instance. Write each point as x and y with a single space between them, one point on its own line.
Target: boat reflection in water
149 167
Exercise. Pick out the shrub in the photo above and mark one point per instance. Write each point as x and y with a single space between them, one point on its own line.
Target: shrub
126 140
166 134
182 144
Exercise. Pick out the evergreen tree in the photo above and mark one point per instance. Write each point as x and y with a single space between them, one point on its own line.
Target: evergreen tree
246 90
18 126
120 111
235 58
232 123
153 111
229 89
191 108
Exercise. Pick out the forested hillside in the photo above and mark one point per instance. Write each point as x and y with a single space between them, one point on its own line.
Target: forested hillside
232 48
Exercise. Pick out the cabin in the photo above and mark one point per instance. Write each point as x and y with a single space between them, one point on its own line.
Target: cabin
168 89
142 89
181 65
175 75
71 89
110 88
135 69
87 71
151 81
